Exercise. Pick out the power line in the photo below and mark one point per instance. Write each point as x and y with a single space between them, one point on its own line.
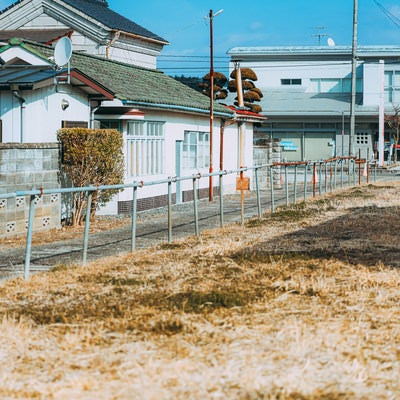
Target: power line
389 14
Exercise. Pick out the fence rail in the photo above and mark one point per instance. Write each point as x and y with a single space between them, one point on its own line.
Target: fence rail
318 177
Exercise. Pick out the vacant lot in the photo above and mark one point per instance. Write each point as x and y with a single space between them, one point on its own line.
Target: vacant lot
304 304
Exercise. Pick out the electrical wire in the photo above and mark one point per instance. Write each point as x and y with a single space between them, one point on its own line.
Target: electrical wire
389 14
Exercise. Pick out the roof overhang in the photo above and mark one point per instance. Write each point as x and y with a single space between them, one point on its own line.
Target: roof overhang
36 77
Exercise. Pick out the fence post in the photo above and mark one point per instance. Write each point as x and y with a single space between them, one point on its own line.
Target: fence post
169 210
295 185
271 184
305 181
341 173
28 248
286 186
196 214
133 221
320 178
258 194
87 225
221 199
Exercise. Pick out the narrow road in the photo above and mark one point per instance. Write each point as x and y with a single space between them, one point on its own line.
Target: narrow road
152 228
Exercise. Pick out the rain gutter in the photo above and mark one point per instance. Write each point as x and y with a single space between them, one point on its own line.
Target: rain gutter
178 108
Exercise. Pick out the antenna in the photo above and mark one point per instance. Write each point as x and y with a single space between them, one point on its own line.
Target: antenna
63 53
331 42
319 35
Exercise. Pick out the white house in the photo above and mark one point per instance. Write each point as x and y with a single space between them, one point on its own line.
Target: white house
165 124
91 25
307 97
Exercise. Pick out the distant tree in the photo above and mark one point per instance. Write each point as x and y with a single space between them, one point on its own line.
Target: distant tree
393 121
220 81
251 93
191 81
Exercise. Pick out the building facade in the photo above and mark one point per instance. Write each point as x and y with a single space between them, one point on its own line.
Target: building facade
307 97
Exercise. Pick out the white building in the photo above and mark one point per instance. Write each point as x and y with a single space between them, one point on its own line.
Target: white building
91 25
307 97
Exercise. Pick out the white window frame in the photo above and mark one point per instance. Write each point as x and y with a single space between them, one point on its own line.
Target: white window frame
145 148
196 150
392 86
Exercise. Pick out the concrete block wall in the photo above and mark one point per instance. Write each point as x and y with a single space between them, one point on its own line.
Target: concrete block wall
24 167
265 152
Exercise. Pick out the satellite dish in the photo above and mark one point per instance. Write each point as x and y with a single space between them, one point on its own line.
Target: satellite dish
63 51
331 42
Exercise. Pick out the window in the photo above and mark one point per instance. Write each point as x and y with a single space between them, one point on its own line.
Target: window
392 86
290 82
334 85
74 124
110 124
196 150
145 146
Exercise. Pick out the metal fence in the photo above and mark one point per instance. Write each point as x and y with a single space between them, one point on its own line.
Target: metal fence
308 178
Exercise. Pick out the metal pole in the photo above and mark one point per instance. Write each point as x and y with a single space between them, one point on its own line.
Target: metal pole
353 79
133 222
258 195
210 189
28 248
295 185
169 210
196 214
87 225
320 179
341 173
221 200
271 180
286 186
305 181
314 178
335 175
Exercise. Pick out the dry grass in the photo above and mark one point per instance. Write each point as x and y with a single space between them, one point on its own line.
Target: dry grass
304 304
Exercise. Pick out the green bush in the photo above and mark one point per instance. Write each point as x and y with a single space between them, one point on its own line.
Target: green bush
91 157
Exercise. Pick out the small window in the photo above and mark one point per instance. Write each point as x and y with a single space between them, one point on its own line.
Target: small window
290 82
110 124
74 124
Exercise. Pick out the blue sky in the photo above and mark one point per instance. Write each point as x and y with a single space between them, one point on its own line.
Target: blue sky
265 23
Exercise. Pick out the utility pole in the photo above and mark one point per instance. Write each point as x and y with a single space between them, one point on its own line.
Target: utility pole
353 80
211 16
210 184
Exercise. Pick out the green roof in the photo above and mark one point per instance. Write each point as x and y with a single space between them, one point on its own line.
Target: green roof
135 85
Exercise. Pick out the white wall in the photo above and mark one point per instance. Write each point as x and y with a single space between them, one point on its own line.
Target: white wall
372 84
270 73
176 124
41 114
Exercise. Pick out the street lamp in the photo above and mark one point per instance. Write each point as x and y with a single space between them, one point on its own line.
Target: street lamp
211 17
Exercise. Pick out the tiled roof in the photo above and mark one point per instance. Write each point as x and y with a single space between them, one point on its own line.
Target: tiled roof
99 10
138 86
